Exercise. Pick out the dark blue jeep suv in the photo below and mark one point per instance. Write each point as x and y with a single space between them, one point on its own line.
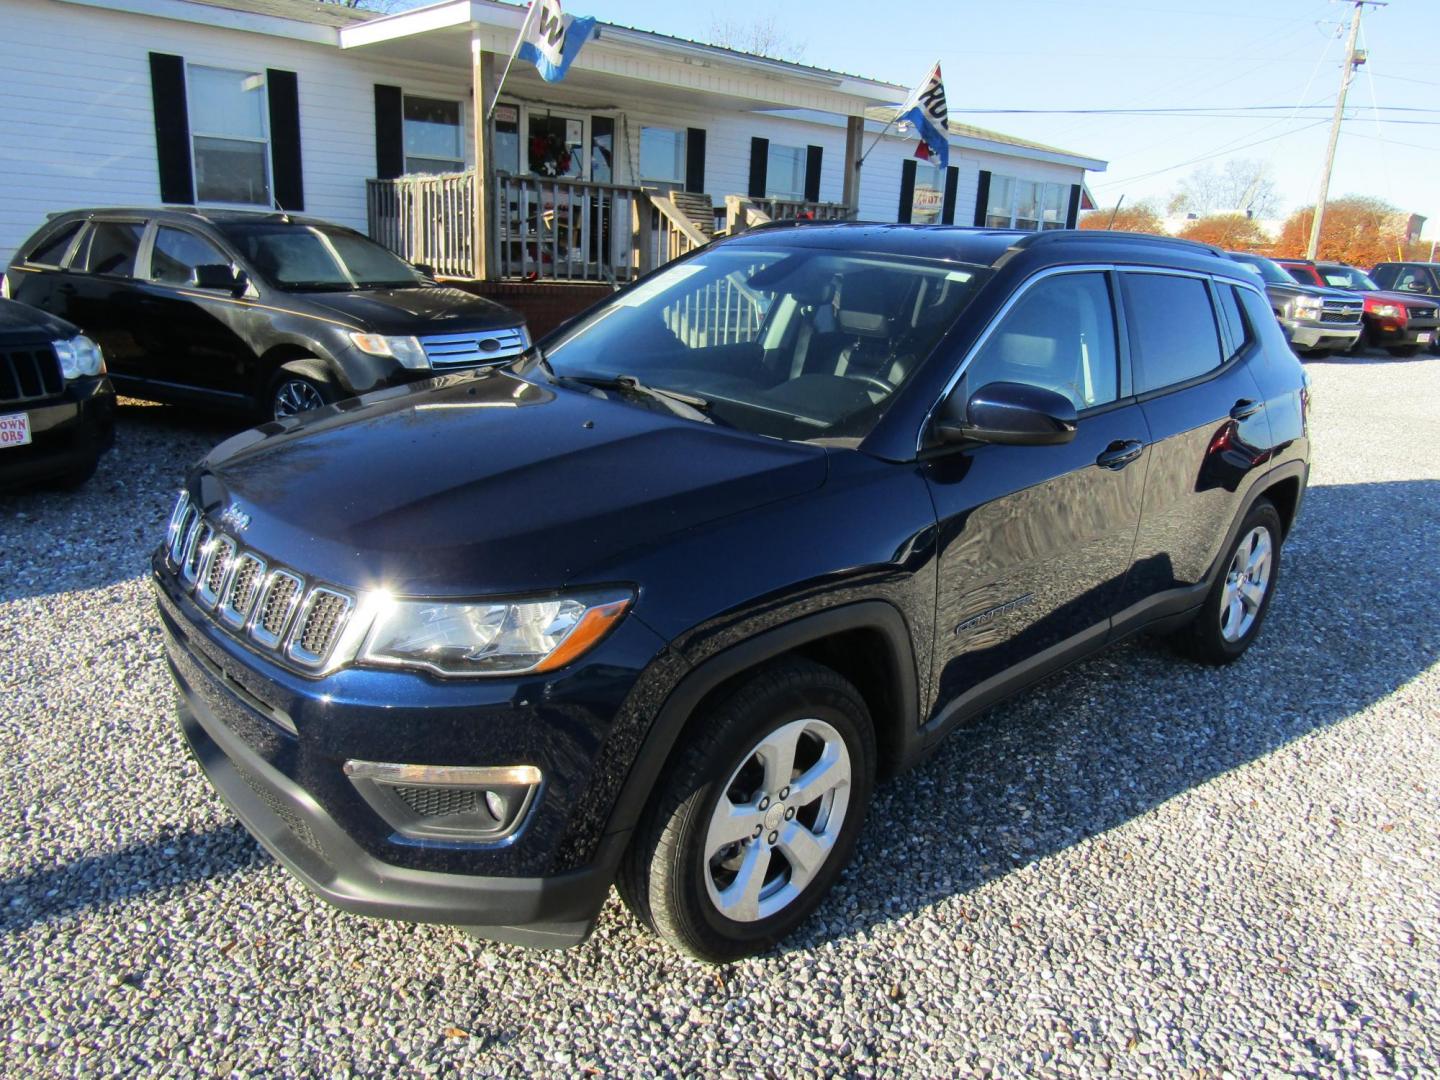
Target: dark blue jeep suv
659 603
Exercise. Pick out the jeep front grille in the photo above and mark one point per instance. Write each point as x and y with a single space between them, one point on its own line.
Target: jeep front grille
273 608
29 373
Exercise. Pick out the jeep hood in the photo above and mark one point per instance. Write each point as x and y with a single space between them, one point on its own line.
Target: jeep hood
483 482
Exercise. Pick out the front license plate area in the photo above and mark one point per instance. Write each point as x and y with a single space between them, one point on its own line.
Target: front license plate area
14 429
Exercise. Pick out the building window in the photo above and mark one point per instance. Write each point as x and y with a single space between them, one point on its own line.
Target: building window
928 201
506 142
432 136
662 155
1025 204
785 173
229 136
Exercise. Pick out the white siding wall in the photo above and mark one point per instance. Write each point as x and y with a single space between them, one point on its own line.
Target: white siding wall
77 127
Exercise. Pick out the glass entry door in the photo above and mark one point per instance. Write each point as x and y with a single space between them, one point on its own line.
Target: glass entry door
555 145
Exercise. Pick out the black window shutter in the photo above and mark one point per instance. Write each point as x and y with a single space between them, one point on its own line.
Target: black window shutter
1072 215
172 128
389 132
283 89
813 154
952 184
695 159
759 166
982 197
907 190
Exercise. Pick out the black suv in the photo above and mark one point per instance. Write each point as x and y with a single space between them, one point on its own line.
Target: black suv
57 408
659 603
1315 320
262 312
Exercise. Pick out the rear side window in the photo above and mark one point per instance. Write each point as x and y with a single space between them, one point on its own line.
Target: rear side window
1060 335
51 250
110 248
1173 334
176 254
1238 334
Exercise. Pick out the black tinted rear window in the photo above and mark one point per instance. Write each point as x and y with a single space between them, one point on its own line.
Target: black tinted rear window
1172 329
110 248
53 247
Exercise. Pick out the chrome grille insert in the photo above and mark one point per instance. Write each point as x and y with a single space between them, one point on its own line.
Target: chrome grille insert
175 531
446 351
216 571
278 601
318 627
197 549
244 587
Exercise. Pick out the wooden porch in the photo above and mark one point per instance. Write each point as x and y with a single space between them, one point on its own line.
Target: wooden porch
543 229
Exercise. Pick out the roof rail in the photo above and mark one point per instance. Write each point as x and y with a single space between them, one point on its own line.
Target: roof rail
1060 236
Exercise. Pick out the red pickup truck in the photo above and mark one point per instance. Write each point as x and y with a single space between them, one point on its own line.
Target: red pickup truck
1401 325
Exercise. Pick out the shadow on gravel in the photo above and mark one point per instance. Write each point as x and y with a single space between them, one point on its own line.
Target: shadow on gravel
97 881
1123 732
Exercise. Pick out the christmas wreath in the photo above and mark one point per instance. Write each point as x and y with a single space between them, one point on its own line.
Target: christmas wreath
549 156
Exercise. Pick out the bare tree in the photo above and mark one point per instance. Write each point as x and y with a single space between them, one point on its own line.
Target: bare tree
1243 185
762 37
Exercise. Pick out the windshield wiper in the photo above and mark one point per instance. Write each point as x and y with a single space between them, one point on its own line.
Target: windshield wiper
690 406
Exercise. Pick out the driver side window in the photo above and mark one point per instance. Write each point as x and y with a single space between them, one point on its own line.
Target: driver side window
1060 335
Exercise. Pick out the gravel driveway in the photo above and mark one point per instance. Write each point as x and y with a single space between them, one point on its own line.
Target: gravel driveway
1141 868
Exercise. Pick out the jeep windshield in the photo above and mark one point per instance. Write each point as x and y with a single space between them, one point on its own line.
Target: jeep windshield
310 257
796 343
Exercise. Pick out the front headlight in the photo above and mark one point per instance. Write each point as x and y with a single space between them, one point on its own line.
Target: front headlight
1386 311
407 350
79 356
502 638
1308 305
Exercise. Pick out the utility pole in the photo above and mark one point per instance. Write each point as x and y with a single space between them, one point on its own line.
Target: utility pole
1351 63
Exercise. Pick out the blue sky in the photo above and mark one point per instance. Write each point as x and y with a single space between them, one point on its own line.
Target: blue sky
1040 54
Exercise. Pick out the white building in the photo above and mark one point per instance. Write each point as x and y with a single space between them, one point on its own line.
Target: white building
648 144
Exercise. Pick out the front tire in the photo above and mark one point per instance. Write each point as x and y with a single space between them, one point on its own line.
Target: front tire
756 815
300 386
1235 608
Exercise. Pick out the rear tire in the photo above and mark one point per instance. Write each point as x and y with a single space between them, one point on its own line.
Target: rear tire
1234 609
791 752
299 386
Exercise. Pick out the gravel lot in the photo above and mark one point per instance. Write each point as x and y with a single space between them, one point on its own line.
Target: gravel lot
1142 868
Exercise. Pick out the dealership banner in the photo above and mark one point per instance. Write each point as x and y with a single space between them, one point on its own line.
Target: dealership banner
925 108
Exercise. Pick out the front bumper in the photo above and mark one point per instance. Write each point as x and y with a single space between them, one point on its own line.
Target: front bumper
274 744
1388 334
1315 335
67 432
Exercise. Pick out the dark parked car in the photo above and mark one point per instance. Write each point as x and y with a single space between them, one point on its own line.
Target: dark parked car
1400 324
267 313
657 606
1315 320
57 408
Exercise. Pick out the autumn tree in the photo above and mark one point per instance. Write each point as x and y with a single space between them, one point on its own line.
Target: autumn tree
1243 184
1234 232
1357 229
1140 217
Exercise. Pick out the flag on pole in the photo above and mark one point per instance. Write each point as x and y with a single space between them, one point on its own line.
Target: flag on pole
925 108
551 40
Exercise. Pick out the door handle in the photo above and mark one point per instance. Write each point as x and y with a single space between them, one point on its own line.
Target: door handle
1245 408
1120 453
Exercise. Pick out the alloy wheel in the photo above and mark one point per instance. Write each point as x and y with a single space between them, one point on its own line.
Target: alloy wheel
296 396
1246 583
778 820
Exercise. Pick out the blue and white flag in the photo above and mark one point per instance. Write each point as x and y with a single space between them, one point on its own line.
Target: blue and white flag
551 40
925 108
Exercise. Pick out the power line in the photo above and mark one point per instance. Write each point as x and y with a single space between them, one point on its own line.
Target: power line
1227 149
1180 110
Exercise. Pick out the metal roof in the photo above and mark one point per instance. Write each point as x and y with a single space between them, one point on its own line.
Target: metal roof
884 114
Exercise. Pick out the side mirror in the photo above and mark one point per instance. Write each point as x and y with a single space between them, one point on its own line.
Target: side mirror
1015 414
216 276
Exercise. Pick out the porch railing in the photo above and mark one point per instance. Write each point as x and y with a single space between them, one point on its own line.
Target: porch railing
567 230
554 229
426 219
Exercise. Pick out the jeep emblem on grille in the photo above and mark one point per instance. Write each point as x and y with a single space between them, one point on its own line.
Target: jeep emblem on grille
233 517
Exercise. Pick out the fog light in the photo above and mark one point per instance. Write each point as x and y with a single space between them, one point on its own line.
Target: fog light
495 803
480 804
